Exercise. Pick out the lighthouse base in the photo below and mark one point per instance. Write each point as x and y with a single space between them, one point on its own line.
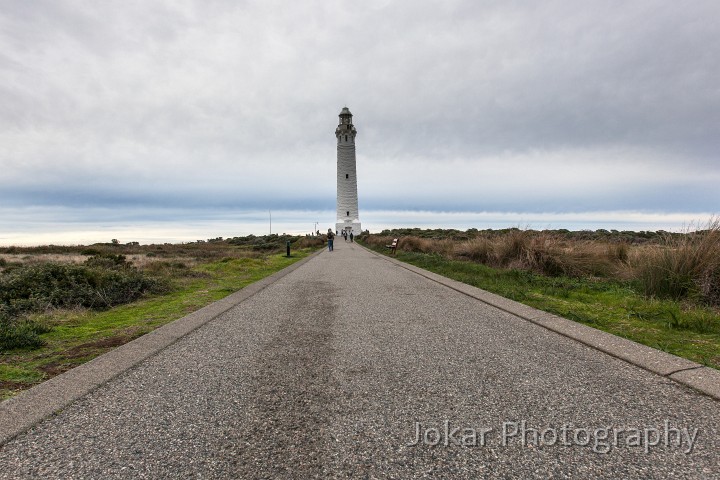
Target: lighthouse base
349 226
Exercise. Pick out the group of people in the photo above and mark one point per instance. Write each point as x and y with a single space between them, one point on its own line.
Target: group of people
331 237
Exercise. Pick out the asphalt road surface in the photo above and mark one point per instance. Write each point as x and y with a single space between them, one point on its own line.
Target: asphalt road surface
353 367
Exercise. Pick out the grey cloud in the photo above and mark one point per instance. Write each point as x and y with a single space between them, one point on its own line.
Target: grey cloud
218 104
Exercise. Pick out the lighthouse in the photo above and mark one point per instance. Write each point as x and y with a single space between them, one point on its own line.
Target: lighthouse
348 218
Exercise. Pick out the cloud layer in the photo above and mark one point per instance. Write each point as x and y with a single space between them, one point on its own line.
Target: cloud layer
460 106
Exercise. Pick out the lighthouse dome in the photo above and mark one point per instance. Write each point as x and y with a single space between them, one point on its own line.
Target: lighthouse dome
345 111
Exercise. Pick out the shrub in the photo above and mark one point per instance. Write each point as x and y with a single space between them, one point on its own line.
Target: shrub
32 288
108 260
15 333
37 287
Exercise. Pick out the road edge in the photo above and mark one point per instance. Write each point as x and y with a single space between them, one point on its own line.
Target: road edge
25 410
681 370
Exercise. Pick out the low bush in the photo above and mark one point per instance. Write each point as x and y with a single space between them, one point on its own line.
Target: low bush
108 260
16 333
38 287
173 269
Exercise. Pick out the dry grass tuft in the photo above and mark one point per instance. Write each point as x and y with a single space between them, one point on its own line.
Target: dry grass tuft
684 266
310 242
479 250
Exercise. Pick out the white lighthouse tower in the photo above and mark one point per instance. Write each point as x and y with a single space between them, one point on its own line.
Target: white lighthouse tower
348 218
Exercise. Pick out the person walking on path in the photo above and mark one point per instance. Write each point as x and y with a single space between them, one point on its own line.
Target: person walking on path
351 237
330 236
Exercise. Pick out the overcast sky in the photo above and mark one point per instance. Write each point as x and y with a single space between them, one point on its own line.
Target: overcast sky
166 120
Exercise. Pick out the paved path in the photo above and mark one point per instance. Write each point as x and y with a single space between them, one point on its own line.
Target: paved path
328 371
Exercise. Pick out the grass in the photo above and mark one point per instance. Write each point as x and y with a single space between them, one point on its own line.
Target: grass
685 329
681 266
78 335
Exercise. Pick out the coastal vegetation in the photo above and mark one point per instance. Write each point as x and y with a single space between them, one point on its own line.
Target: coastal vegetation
660 289
61 306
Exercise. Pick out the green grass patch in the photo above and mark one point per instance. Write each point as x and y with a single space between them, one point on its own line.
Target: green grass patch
687 330
75 336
